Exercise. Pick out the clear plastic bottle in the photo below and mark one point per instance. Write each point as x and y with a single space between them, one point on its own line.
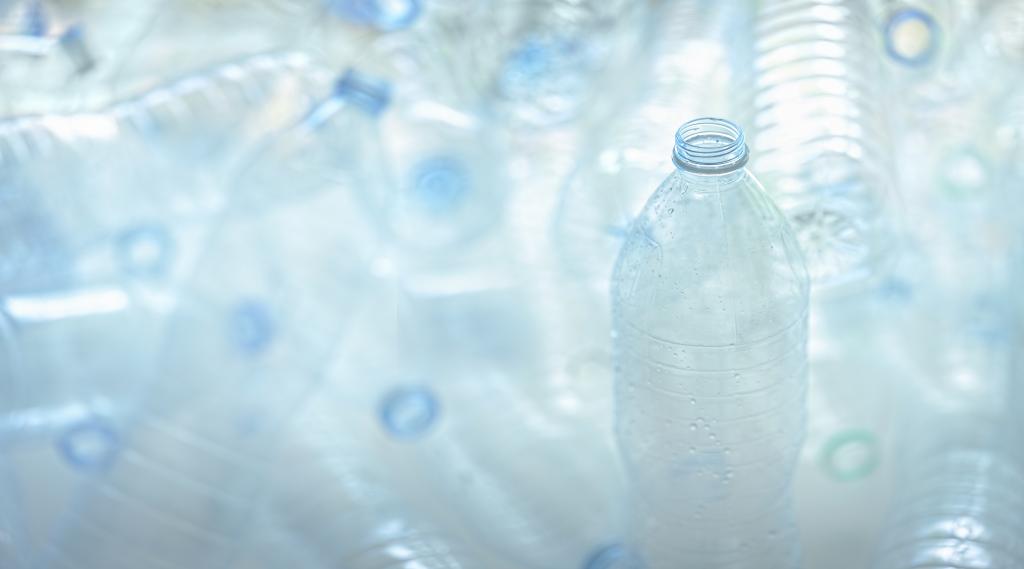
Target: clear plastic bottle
244 345
340 498
438 362
710 299
44 58
819 133
959 499
448 215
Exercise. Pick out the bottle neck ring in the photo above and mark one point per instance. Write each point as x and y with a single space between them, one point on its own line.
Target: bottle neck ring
710 146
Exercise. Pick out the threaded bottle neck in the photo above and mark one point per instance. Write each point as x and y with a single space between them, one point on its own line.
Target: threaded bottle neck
710 146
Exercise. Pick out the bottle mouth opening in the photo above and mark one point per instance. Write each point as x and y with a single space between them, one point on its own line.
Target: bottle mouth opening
370 93
710 145
911 37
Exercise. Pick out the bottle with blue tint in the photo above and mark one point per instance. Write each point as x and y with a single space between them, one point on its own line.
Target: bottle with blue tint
211 115
460 458
340 498
958 499
44 57
277 284
545 63
819 133
448 214
710 302
333 150
471 466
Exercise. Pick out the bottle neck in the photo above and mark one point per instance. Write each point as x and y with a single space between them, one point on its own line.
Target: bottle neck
710 147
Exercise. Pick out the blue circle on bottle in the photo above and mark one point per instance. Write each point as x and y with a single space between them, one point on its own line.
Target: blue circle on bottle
409 412
251 326
144 250
90 445
439 184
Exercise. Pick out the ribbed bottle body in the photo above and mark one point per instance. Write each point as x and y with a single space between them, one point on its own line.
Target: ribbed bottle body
818 134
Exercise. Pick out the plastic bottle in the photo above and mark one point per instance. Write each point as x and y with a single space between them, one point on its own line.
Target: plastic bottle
340 499
545 63
448 215
958 501
45 57
710 299
462 461
272 294
623 157
818 131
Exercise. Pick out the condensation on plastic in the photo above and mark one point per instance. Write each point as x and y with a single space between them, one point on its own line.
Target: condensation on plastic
710 414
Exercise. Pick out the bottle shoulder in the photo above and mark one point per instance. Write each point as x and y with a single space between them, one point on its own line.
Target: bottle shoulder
710 262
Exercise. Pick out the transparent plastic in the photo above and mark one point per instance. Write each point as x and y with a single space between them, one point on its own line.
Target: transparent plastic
340 496
463 465
818 133
710 298
958 500
243 347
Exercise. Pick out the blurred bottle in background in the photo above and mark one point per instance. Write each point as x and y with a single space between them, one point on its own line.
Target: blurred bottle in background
339 497
45 58
959 500
243 346
686 73
819 133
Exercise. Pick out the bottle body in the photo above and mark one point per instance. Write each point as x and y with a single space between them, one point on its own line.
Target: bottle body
819 132
710 329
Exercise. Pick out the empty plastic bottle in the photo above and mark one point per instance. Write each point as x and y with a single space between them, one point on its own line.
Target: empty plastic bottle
449 203
43 58
960 498
340 498
273 293
818 131
459 461
709 299
623 156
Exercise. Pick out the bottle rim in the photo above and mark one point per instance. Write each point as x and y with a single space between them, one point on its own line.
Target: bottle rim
710 145
901 17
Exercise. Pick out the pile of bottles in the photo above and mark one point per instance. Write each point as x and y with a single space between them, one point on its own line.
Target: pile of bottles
511 284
